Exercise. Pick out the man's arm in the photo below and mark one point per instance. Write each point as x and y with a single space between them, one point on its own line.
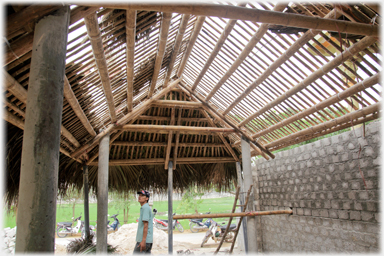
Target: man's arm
145 232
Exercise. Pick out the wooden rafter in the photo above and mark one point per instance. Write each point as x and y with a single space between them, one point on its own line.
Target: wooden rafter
130 27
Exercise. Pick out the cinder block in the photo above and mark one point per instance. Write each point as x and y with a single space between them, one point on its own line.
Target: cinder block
355 215
343 214
367 216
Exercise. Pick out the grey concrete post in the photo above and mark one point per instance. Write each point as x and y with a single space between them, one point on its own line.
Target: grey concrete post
248 181
242 236
86 200
36 218
102 196
170 207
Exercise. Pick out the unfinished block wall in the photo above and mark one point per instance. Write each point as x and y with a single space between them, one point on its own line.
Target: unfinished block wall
333 210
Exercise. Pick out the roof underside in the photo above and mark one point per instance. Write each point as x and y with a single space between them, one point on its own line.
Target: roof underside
274 84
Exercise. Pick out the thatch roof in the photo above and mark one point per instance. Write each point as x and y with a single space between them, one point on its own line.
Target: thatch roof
186 82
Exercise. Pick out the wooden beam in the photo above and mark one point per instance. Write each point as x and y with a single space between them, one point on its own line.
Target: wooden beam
245 52
338 60
296 46
254 15
169 144
196 30
166 118
177 103
94 35
182 129
160 161
177 144
130 26
176 48
165 22
73 102
164 144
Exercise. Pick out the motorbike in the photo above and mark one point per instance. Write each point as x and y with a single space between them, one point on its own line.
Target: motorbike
216 232
163 224
197 224
65 228
115 225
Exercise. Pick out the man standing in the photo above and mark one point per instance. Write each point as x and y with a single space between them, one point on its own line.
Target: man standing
144 235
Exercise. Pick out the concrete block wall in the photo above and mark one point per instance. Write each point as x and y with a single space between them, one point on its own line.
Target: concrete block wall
333 210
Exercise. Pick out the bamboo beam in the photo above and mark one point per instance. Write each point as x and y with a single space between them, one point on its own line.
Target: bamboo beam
254 15
338 60
165 22
329 124
297 45
176 48
196 30
94 35
73 102
21 93
182 129
217 115
164 144
169 144
160 161
224 35
166 118
131 115
130 26
234 214
177 103
177 144
365 84
246 51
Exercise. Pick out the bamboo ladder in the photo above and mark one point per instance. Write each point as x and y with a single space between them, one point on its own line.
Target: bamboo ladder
230 219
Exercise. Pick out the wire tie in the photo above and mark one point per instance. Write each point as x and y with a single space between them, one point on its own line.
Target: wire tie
363 84
338 96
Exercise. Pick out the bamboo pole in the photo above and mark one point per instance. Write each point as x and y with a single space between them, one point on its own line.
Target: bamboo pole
234 214
164 144
161 161
94 35
254 15
175 128
224 35
245 52
297 45
328 125
198 25
167 118
166 21
361 86
176 48
177 144
169 144
177 103
73 102
130 27
344 56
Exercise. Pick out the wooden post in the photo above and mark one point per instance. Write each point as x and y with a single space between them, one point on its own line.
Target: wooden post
170 208
102 196
86 200
243 227
36 218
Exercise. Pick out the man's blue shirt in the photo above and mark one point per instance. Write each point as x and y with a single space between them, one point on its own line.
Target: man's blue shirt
145 215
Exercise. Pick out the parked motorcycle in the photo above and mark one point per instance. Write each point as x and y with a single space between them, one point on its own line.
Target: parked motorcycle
197 224
115 225
65 228
216 232
163 224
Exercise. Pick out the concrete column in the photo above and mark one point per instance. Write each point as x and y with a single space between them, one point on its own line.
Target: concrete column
86 200
248 181
102 196
36 218
170 207
242 235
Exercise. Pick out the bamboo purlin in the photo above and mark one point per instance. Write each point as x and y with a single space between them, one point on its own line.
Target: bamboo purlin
235 214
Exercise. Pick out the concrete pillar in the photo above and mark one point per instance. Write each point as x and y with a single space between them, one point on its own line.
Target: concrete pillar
36 218
102 196
248 181
86 200
170 207
242 235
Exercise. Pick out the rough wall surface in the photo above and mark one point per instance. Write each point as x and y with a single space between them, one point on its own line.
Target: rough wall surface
333 210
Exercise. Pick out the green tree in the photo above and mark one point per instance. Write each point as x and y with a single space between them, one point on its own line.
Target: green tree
122 202
190 200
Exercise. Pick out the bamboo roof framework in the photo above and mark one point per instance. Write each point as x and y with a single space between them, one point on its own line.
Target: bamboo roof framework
185 82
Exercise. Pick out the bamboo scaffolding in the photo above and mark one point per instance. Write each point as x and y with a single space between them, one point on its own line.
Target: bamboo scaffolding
344 56
161 161
309 35
165 23
130 27
235 214
255 15
198 26
176 48
245 52
94 35
182 129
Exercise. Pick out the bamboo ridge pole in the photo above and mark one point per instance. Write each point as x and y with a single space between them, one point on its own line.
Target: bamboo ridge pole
329 124
297 45
94 35
130 27
235 214
166 21
367 83
344 56
176 48
246 51
254 15
224 35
